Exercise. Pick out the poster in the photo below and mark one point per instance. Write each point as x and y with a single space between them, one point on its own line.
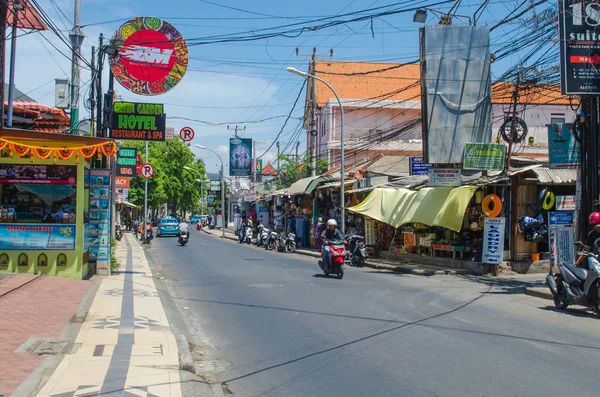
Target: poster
37 237
493 240
566 203
98 229
562 147
484 156
418 167
562 237
578 23
240 157
370 232
38 174
449 177
410 239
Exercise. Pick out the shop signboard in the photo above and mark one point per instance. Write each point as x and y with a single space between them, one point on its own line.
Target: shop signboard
370 238
493 240
98 229
122 195
562 146
449 177
38 174
215 186
417 166
250 197
122 182
170 133
566 203
37 237
561 237
484 156
152 56
240 157
211 200
126 162
136 121
578 23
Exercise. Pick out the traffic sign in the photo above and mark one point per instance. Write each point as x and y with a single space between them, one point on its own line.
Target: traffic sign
186 134
147 170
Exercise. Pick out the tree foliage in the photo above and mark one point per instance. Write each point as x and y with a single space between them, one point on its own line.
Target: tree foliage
291 171
171 184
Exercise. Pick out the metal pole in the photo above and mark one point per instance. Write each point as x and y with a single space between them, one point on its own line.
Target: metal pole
222 199
313 119
99 88
113 195
145 199
76 37
92 94
11 77
3 19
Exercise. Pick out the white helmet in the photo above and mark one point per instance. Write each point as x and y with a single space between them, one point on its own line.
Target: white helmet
332 222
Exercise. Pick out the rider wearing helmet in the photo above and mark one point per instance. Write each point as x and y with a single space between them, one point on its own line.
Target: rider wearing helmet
594 235
328 235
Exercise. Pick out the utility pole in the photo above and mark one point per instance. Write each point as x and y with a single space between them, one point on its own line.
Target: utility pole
3 18
236 129
99 89
17 6
92 94
297 145
76 37
277 156
312 126
513 123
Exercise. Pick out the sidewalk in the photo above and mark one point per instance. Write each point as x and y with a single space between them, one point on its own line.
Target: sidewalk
33 309
125 346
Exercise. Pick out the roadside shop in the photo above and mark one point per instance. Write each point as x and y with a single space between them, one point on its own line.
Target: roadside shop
54 209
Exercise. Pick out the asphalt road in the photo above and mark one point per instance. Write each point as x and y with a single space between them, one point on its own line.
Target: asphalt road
287 331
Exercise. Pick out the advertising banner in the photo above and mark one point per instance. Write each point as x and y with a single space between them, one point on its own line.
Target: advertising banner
126 162
579 29
484 156
449 177
418 167
562 237
566 203
240 157
138 121
38 174
493 240
37 237
215 186
122 182
562 146
98 229
170 133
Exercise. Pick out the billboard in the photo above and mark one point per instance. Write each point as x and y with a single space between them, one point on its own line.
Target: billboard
418 167
215 185
455 90
138 121
38 174
562 146
126 162
151 56
579 30
240 157
484 156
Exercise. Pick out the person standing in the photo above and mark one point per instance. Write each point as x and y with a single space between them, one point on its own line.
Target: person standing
318 231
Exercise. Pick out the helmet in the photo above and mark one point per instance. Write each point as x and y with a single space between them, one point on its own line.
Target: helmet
594 218
333 222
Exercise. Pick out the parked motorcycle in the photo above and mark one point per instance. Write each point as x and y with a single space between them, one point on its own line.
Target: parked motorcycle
240 232
280 242
248 234
118 233
577 286
183 238
357 250
289 243
261 235
337 257
271 240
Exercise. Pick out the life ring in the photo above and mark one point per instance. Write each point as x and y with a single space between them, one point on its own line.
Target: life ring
548 201
485 205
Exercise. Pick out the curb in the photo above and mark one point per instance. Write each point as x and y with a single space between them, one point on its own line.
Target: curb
539 293
186 362
84 306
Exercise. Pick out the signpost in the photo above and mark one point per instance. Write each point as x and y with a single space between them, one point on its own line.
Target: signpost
147 170
449 177
186 134
562 237
215 185
418 167
484 156
138 121
493 240
126 159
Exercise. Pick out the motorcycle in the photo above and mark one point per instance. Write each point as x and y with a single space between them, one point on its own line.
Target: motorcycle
149 234
261 236
289 243
248 235
337 257
577 286
199 225
183 238
240 232
280 242
118 233
271 240
357 250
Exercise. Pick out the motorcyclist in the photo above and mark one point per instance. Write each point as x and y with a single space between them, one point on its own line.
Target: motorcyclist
592 236
330 234
184 228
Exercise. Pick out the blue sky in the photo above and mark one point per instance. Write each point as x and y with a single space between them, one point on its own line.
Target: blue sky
236 82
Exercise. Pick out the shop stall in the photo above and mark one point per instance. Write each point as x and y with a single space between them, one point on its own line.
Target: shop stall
45 206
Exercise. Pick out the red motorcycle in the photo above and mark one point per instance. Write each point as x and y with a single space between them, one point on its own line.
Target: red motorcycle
198 225
337 257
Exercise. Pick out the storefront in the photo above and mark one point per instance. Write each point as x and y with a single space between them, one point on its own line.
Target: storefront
45 202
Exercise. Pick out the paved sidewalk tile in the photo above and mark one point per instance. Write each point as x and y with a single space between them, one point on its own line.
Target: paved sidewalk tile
127 346
40 309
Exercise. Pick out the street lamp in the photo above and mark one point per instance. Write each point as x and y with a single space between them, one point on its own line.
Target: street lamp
222 188
342 202
420 16
198 180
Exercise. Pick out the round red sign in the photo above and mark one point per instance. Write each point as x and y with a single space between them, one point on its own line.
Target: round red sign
151 56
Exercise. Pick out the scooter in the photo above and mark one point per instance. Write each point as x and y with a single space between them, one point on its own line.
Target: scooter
577 286
183 238
358 252
271 240
118 233
198 225
240 232
248 235
337 257
289 243
261 235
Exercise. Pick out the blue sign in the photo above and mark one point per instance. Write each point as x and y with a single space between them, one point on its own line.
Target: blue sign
38 237
564 218
562 146
418 167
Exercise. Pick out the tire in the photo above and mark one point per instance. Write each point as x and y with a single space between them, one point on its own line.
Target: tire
559 303
340 274
290 247
361 262
326 274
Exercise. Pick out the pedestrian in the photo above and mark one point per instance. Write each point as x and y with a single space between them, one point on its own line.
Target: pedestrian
292 225
319 228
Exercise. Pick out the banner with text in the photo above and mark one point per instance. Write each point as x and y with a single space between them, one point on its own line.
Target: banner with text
484 156
138 121
126 162
493 240
562 237
449 177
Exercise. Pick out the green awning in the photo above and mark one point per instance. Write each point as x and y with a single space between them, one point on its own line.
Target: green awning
436 206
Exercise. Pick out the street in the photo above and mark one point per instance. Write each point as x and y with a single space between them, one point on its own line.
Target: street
276 327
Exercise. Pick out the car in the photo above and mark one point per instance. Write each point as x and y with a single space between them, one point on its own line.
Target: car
195 219
167 227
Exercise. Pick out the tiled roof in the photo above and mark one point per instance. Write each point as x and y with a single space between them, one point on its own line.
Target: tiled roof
28 19
401 82
269 170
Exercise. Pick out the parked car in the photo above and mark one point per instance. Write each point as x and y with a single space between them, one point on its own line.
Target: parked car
195 219
167 227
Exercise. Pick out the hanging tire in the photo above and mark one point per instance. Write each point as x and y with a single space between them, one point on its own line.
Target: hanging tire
520 128
548 202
